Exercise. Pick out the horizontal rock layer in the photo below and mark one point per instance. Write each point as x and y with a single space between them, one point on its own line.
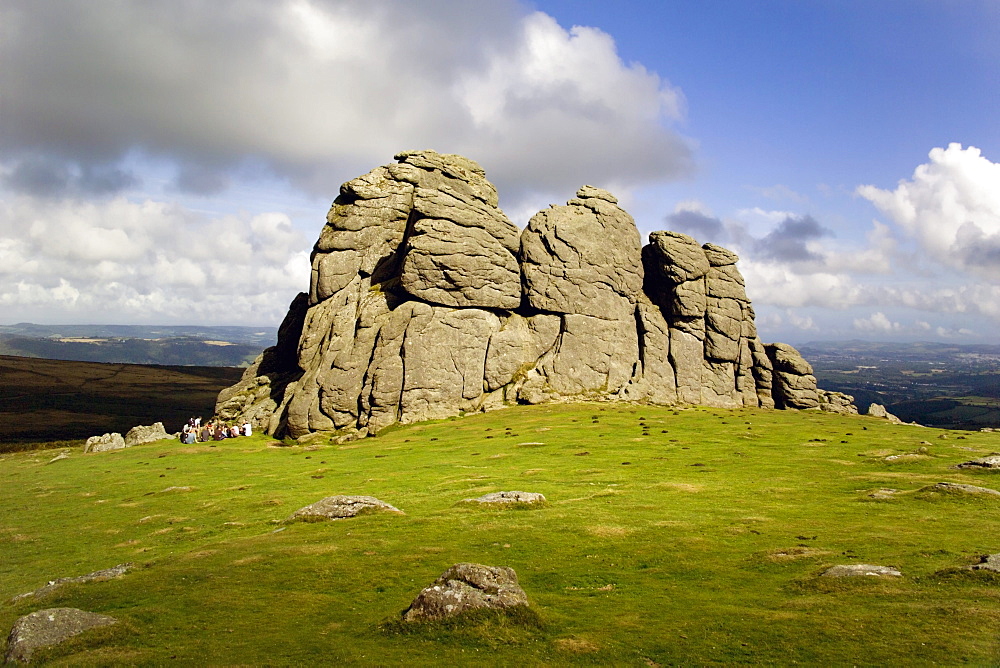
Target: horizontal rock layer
425 301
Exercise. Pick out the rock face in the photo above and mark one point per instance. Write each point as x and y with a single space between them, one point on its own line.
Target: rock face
146 434
112 441
425 302
45 628
465 587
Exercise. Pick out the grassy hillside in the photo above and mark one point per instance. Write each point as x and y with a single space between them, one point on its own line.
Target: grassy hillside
43 400
670 537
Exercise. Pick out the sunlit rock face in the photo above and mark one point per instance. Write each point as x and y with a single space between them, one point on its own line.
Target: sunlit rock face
426 301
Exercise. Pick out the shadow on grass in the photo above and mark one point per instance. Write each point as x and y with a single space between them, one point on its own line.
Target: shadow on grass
511 626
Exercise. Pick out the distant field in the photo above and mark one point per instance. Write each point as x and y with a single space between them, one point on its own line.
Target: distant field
47 400
935 384
670 538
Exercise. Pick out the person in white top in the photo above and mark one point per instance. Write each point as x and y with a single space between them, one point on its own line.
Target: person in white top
247 430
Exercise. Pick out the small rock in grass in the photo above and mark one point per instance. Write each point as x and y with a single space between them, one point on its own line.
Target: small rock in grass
989 562
989 462
45 628
502 498
112 441
962 489
883 493
860 570
465 587
96 576
340 506
143 434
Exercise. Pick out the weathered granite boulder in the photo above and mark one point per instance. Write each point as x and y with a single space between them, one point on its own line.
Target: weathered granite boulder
425 302
96 576
112 441
879 411
509 498
990 462
465 587
45 628
146 434
860 570
794 383
339 507
836 402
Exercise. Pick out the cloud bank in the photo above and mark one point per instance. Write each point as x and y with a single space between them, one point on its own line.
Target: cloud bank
117 260
952 207
938 253
121 118
317 91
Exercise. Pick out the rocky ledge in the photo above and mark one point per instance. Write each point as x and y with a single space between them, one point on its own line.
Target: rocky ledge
427 301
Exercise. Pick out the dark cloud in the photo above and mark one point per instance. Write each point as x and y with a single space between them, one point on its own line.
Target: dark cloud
787 242
48 177
201 180
103 180
312 87
977 251
41 177
698 225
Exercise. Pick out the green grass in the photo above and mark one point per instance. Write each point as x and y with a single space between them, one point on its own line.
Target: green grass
670 537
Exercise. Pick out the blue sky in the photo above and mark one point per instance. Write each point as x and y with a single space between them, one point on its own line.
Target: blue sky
173 162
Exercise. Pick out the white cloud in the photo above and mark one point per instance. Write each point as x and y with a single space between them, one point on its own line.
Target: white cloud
877 323
146 261
319 91
952 207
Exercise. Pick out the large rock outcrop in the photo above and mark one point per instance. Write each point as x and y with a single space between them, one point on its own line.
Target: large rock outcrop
426 301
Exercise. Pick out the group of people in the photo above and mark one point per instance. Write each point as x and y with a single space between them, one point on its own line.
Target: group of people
196 432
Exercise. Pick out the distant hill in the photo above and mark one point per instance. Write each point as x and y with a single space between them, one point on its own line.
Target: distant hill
138 344
48 400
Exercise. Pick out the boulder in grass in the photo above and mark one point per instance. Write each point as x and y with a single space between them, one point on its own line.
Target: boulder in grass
146 434
860 570
959 488
509 498
989 562
112 441
991 462
45 628
879 411
465 587
340 507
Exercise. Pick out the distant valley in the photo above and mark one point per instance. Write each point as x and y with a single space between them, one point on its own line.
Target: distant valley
138 344
936 384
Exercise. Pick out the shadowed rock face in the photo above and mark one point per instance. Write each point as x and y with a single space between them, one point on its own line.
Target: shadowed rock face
426 301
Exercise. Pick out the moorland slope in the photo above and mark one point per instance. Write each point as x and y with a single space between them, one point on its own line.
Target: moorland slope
670 536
